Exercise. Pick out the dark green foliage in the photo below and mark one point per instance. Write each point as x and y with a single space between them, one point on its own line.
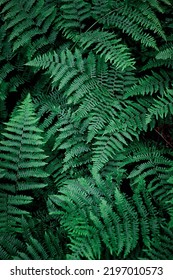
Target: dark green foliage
101 217
86 129
22 159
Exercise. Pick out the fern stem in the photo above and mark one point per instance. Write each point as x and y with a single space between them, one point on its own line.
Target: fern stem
168 143
94 25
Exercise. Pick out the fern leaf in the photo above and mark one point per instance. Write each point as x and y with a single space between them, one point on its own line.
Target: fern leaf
22 157
108 46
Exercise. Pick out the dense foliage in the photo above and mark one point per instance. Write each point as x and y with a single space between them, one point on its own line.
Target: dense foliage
86 122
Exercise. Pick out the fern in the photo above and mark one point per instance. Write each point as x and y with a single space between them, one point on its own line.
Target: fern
161 107
9 246
155 84
73 16
110 218
49 249
108 46
152 165
22 159
86 157
166 53
66 69
28 23
129 19
163 249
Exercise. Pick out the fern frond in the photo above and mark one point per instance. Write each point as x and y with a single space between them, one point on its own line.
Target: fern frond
152 165
47 250
108 46
166 53
132 19
73 16
162 249
157 83
111 220
25 22
162 106
9 246
22 158
68 71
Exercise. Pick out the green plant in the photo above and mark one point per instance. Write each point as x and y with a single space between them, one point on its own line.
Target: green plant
86 133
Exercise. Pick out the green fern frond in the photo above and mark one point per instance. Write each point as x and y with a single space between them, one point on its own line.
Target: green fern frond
108 46
129 19
9 246
22 158
162 106
68 71
157 63
73 16
22 139
162 249
47 250
152 165
86 165
134 115
25 22
118 81
157 83
111 220
165 54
